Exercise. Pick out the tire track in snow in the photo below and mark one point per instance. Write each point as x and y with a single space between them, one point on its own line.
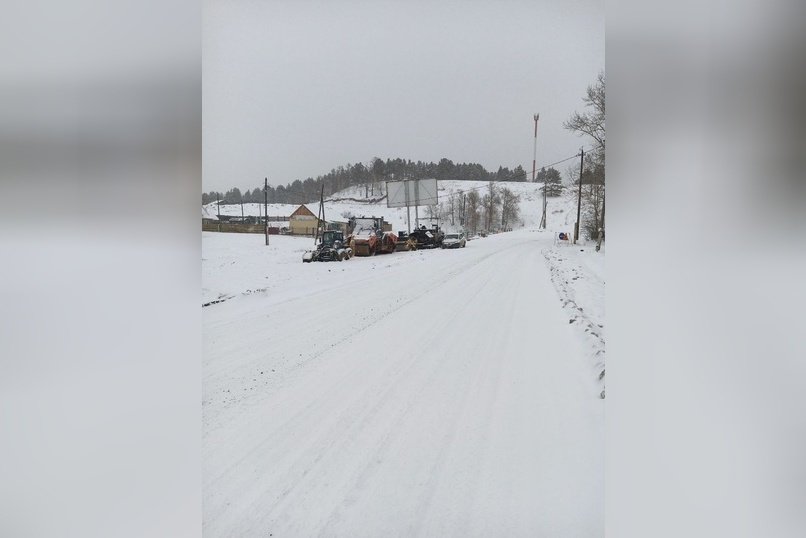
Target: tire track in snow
321 404
405 296
358 418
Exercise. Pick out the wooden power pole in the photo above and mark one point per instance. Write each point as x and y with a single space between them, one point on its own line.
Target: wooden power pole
579 198
266 207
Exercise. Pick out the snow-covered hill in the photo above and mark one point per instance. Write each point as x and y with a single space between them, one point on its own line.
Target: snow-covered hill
356 201
531 202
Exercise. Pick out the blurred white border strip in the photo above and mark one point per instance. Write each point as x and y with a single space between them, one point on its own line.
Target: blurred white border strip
706 427
100 155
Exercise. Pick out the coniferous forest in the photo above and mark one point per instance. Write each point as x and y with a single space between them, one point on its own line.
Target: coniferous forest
371 175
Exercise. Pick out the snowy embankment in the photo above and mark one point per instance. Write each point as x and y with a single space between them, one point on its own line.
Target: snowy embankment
577 272
429 393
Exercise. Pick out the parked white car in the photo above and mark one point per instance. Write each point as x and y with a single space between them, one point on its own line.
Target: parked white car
454 241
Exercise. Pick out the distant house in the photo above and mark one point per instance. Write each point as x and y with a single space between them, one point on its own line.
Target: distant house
303 221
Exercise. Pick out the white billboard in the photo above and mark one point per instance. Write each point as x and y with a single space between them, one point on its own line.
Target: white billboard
411 192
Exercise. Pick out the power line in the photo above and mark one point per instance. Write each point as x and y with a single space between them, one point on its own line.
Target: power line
487 182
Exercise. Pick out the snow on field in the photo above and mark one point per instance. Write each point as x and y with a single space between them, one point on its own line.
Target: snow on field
211 210
531 199
435 393
352 202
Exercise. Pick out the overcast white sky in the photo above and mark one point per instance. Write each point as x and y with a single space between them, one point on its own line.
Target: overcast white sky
293 89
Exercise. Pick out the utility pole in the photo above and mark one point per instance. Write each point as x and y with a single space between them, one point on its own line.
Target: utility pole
464 215
600 231
579 198
534 171
604 192
218 201
266 207
241 207
490 210
408 207
534 155
416 204
322 203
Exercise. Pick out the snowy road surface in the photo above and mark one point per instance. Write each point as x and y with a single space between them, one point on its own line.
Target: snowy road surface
434 393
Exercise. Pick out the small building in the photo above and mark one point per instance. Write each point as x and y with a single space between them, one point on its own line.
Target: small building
303 221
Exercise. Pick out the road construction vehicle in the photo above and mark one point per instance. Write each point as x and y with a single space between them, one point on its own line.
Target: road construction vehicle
405 242
368 237
426 238
331 248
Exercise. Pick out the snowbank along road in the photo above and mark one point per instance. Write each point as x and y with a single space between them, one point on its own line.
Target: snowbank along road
429 393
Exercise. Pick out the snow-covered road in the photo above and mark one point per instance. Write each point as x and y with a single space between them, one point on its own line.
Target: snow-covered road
436 393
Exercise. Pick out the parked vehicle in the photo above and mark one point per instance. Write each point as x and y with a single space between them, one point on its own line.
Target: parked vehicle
454 240
405 242
425 238
331 248
367 236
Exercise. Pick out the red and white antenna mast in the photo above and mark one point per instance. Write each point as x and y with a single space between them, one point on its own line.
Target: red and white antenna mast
534 155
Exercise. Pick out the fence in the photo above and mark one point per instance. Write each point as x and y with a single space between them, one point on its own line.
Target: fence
212 225
249 219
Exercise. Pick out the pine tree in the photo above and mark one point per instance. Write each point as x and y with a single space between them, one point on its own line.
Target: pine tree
553 182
